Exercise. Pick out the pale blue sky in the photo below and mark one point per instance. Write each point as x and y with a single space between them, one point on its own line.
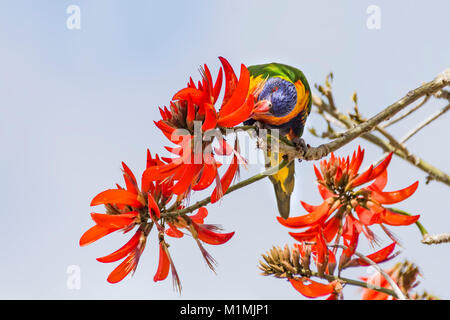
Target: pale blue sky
75 103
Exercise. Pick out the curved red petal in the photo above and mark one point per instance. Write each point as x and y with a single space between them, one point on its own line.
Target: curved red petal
321 212
241 114
210 118
226 180
324 192
172 231
123 269
309 208
123 251
394 196
379 256
239 95
230 80
113 196
209 172
217 85
117 221
189 173
94 233
153 206
201 214
379 169
380 182
362 178
163 266
211 237
396 219
312 290
367 217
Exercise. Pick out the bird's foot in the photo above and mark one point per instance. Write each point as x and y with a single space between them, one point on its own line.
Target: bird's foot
300 146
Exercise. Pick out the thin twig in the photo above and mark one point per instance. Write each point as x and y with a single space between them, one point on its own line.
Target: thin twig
390 123
426 122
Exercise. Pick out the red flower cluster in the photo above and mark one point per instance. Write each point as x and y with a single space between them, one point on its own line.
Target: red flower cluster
346 213
130 207
190 124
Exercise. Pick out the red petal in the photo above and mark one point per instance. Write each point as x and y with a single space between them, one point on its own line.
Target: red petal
94 233
218 85
201 214
210 118
172 231
379 256
196 95
113 196
230 80
153 206
190 171
367 217
362 178
394 196
207 178
123 251
324 192
331 228
239 94
396 219
226 180
212 237
123 269
380 182
116 221
318 174
312 290
164 265
241 114
321 212
381 167
356 164
309 208
304 236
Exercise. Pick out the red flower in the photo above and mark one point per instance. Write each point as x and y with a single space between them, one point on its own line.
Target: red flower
345 211
126 208
142 207
195 167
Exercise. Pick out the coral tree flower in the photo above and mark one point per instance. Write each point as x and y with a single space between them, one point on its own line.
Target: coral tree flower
130 207
347 211
126 208
189 123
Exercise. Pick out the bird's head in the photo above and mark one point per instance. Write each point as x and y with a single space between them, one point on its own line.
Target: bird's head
276 97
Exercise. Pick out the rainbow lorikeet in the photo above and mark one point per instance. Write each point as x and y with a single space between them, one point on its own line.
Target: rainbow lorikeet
283 102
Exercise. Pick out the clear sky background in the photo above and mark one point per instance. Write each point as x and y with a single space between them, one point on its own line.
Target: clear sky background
75 103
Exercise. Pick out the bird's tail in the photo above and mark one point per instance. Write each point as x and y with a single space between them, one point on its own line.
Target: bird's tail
283 183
